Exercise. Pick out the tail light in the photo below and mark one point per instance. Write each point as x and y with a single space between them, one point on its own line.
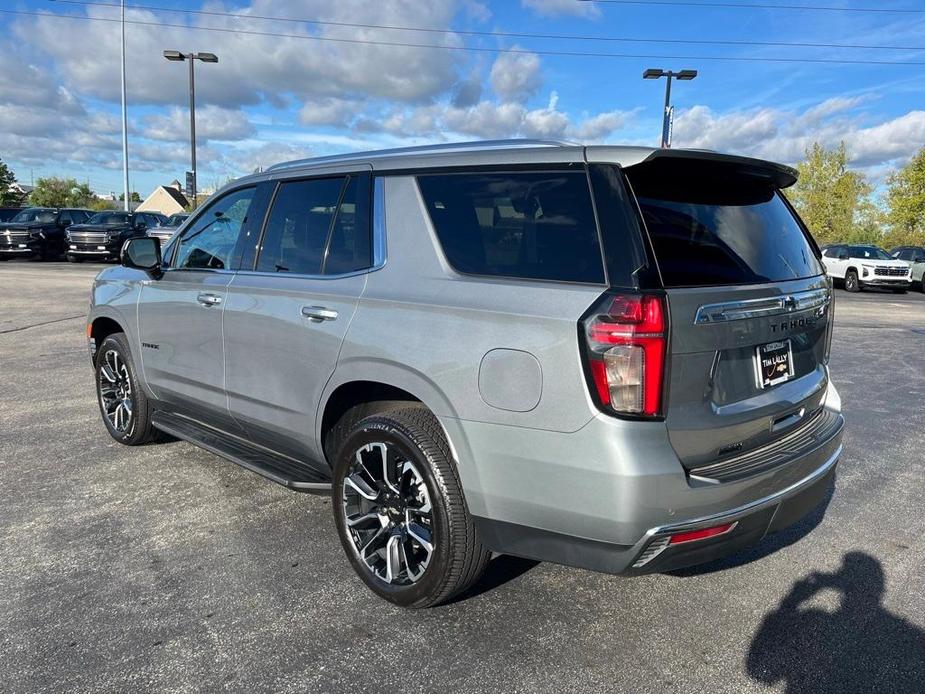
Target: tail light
626 338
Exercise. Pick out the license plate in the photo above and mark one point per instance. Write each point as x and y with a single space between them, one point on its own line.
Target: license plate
773 363
73 248
101 248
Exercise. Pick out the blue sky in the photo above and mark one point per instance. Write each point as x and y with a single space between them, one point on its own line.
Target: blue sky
272 98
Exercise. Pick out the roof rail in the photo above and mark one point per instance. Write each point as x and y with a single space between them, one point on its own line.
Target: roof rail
420 149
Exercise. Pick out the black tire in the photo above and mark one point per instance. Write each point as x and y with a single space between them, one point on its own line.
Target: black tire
900 291
74 259
130 425
852 283
922 284
421 462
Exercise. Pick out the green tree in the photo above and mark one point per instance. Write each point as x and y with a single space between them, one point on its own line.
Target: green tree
906 203
133 196
61 192
8 198
828 195
100 204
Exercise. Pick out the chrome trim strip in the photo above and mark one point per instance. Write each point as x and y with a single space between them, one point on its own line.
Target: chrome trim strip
733 514
378 213
756 308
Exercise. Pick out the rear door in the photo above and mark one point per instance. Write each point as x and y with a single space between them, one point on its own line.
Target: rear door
286 319
749 307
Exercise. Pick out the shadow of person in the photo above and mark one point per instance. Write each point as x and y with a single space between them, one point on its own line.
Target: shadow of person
859 647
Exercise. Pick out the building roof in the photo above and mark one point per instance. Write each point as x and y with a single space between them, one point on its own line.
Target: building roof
176 195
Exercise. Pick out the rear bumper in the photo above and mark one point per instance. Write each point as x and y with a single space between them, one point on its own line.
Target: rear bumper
600 498
653 553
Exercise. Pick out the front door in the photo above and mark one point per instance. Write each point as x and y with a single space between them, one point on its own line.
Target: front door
285 321
180 314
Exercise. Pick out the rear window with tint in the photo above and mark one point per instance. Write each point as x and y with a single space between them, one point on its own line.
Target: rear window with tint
721 229
533 225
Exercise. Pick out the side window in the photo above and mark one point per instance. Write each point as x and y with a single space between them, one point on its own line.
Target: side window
209 243
536 225
65 219
349 245
298 226
318 226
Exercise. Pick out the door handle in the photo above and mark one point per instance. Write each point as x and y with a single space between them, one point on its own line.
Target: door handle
316 314
207 299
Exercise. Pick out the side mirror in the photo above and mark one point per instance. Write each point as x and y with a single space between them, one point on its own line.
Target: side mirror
140 226
143 254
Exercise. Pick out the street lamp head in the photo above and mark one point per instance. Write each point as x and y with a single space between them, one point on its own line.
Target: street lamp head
174 55
653 74
207 57
686 74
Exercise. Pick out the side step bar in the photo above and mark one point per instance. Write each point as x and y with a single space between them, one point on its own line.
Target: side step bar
278 468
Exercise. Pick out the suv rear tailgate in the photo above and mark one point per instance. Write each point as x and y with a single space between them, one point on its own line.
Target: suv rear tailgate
749 303
717 406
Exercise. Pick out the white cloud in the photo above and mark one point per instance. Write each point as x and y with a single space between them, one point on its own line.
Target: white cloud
252 68
554 8
783 135
516 76
330 111
492 120
212 123
261 155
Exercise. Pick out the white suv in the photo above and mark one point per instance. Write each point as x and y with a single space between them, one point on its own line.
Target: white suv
866 266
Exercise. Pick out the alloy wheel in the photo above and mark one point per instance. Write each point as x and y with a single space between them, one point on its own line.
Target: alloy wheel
116 393
388 514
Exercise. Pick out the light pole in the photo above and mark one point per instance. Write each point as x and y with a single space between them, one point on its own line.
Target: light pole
124 120
192 57
654 74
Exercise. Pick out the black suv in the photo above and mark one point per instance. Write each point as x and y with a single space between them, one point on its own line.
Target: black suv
101 238
38 232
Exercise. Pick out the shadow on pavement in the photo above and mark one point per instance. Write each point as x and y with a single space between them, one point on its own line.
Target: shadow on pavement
770 544
859 647
500 570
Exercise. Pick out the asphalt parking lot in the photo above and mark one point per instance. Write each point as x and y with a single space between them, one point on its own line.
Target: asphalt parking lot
166 568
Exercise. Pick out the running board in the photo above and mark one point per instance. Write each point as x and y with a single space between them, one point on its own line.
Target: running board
285 471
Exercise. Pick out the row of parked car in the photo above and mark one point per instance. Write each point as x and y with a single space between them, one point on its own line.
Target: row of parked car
857 266
77 234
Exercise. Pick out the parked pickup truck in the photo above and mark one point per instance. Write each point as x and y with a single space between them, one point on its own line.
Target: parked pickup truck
38 232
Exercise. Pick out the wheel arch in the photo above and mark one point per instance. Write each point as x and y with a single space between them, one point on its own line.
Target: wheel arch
99 328
380 385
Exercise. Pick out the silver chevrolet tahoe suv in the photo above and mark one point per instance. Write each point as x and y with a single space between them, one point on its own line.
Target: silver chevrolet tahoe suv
608 357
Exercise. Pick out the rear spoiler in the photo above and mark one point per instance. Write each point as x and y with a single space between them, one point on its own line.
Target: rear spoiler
778 175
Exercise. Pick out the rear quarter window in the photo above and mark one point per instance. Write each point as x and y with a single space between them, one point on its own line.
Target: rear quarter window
531 225
721 229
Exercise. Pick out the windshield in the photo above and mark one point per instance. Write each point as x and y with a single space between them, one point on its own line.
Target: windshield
175 220
109 218
35 215
869 252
